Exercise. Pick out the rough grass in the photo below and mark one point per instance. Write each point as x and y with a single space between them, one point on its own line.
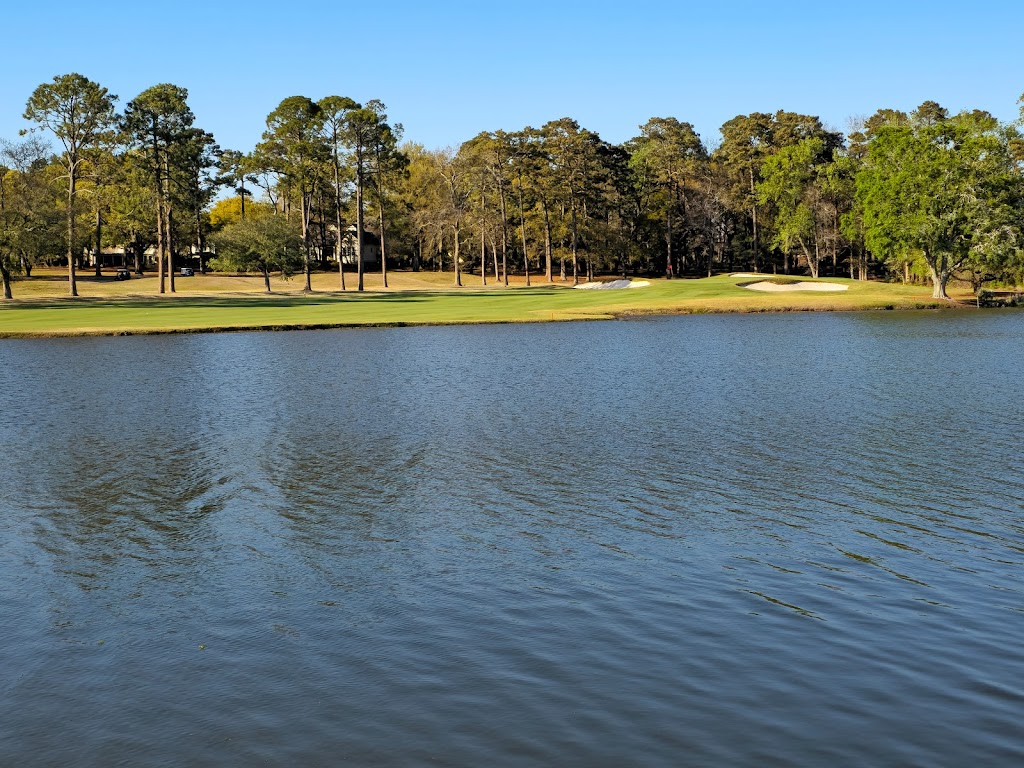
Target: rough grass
224 302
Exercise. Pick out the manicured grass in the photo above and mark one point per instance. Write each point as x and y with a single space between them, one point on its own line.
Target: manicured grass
215 302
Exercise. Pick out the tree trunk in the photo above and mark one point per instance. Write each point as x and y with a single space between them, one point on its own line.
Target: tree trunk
938 266
160 244
504 234
305 203
72 190
547 244
168 223
383 251
341 260
458 267
321 250
939 280
359 223
99 242
337 220
5 274
522 229
170 247
753 218
483 250
812 261
200 239
681 253
668 243
575 247
266 277
483 238
26 265
494 256
835 247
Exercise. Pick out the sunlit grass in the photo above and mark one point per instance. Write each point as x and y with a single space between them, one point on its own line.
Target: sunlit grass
220 302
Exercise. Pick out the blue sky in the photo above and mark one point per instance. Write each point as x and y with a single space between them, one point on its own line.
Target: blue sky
449 70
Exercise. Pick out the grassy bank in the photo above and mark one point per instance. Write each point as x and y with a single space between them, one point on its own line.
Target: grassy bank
216 302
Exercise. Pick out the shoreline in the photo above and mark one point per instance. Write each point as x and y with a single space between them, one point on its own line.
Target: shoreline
610 317
215 305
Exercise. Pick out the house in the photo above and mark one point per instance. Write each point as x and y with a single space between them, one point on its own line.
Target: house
371 247
118 257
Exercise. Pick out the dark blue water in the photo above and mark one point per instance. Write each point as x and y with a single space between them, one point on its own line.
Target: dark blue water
731 540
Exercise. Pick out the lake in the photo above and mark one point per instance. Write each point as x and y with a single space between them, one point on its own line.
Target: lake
738 540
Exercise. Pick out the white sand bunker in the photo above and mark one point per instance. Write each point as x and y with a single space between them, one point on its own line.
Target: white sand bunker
767 285
614 285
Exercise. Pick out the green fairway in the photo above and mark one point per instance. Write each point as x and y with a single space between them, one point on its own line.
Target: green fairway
236 311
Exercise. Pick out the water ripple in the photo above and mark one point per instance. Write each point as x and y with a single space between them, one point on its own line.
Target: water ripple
697 541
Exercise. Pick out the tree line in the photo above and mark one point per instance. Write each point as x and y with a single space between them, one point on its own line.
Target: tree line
924 195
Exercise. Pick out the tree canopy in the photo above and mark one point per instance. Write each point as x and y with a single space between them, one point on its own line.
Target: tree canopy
912 196
944 188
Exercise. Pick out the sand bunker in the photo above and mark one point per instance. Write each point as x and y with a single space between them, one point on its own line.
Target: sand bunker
767 285
614 285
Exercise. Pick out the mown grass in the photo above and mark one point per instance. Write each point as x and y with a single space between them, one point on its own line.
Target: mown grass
218 302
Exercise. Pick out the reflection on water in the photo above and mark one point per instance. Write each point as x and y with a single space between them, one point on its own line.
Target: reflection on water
698 541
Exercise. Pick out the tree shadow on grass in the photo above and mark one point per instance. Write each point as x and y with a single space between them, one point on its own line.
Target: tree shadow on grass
211 302
253 301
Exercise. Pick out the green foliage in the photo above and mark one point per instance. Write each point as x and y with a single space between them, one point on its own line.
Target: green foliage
234 171
259 244
292 145
294 150
748 142
158 128
131 222
29 216
792 183
177 158
157 119
945 188
925 192
668 160
80 114
668 152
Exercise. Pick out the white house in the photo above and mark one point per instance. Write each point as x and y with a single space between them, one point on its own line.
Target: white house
371 247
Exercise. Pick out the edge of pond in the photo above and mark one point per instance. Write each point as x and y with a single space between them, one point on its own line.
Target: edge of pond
623 315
